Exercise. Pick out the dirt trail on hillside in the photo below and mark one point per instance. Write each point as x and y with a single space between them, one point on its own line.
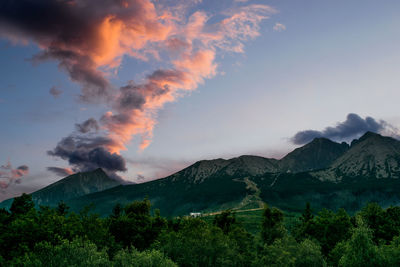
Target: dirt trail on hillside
236 211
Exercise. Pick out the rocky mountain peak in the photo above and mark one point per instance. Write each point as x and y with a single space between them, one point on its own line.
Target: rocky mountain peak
317 154
372 155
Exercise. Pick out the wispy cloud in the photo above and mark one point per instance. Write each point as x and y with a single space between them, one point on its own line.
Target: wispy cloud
62 172
153 167
55 91
87 126
9 175
279 27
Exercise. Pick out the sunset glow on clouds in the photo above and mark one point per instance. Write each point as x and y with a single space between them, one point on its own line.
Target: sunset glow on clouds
89 40
197 45
87 84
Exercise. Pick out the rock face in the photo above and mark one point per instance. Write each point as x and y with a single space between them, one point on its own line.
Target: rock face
318 154
240 166
200 170
73 186
372 156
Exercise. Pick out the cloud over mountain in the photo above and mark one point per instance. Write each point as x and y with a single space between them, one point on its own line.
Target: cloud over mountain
60 171
353 127
86 154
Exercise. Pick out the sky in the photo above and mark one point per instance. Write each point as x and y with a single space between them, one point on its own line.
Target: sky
145 88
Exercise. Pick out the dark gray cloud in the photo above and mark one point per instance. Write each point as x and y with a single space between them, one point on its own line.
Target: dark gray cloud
352 127
89 153
63 172
87 126
140 177
131 97
21 171
55 92
71 32
62 27
134 96
81 69
23 168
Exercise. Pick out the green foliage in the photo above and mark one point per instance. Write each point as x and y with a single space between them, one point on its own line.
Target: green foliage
85 253
225 220
287 252
307 215
328 228
309 254
391 253
134 258
272 225
135 226
22 205
133 235
360 249
62 208
336 253
75 253
385 224
197 243
117 211
244 244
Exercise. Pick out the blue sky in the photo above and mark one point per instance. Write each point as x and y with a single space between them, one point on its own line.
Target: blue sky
333 58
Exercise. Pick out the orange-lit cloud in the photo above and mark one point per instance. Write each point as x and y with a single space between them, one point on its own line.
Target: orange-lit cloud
195 46
90 38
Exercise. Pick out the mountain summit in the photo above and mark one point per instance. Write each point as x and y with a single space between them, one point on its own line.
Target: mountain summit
241 166
73 186
317 154
372 155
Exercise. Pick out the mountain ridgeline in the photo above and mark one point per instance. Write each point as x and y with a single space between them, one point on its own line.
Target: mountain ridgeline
73 186
325 173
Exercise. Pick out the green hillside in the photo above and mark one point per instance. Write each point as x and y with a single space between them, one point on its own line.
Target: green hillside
70 187
339 176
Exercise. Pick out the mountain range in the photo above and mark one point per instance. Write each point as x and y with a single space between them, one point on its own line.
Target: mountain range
322 172
70 187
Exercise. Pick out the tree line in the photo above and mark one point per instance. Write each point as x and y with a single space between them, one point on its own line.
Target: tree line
133 235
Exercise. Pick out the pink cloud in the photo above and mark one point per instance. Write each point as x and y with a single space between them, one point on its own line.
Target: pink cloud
9 175
90 38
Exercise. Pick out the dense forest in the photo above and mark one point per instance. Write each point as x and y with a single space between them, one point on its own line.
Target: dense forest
134 235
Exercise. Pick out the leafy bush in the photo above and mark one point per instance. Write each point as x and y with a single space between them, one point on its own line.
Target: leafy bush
75 253
134 258
287 252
